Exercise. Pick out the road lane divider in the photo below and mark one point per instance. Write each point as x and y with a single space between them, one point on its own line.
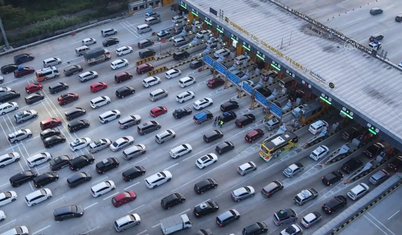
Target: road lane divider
85 208
40 230
54 201
138 207
131 185
111 196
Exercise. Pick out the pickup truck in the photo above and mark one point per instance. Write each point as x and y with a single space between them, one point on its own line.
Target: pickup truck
96 55
305 196
334 204
175 223
203 116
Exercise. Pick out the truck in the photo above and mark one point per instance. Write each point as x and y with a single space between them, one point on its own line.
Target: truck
175 223
96 55
203 117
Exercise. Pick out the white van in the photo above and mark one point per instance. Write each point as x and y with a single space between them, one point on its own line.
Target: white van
127 222
8 107
143 28
186 81
81 50
38 196
317 126
47 73
51 62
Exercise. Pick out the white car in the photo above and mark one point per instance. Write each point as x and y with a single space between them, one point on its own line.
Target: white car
400 64
8 158
38 196
124 51
38 159
102 188
319 152
80 143
5 88
203 34
151 81
109 116
121 143
202 103
8 107
158 179
2 215
7 197
172 73
88 41
317 126
99 101
177 18
180 150
222 53
86 76
120 63
206 160
184 96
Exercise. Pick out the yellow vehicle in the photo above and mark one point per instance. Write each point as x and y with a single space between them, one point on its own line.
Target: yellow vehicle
307 112
277 144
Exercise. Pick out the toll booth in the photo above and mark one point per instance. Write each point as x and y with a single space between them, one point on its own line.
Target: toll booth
307 112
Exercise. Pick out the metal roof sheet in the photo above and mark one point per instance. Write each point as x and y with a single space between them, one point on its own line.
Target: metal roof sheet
366 84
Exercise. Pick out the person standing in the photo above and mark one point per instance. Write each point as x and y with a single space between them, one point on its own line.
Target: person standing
220 123
215 121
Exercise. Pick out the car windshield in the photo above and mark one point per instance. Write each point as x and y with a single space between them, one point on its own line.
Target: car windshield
288 170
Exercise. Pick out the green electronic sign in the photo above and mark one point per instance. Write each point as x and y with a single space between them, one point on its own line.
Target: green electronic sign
183 4
260 55
246 46
194 12
276 65
346 112
220 29
326 99
374 130
208 21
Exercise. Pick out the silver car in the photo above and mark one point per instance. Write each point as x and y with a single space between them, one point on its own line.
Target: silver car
293 169
88 75
19 135
246 168
243 193
99 145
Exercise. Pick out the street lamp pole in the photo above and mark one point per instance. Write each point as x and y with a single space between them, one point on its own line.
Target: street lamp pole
3 32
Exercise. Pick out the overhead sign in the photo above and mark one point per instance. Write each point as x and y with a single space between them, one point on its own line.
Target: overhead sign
260 55
261 99
220 68
208 21
326 99
247 88
220 29
233 78
346 112
194 12
290 74
276 65
246 46
374 130
275 110
208 60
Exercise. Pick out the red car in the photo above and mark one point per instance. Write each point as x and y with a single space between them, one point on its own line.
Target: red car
22 71
123 198
97 86
157 111
33 87
67 98
215 82
254 135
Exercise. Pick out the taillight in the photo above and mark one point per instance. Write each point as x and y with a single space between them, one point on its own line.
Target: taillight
121 125
327 183
267 194
69 185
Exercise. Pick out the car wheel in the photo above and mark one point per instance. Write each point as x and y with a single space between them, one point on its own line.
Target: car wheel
106 121
16 199
33 204
168 180
122 96
118 116
252 195
49 197
238 200
113 188
155 186
2 166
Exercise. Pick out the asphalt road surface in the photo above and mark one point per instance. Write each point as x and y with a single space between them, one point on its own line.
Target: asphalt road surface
99 212
353 19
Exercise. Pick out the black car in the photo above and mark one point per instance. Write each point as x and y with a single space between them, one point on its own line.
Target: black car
229 105
376 37
196 64
23 177
376 11
245 120
107 164
224 147
205 185
9 68
255 229
110 41
227 116
54 140
181 112
332 178
334 204
74 113
78 179
60 86
205 208
77 125
125 91
59 162
22 58
34 97
212 136
133 173
8 95
374 150
81 161
147 53
68 212
180 55
45 178
49 132
73 69
352 165
172 200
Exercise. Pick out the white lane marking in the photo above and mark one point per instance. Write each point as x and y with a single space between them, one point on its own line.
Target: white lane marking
90 230
142 232
100 180
90 206
131 185
184 211
136 208
365 216
4 184
171 166
156 225
393 215
379 222
40 230
203 201
55 201
110 196
12 221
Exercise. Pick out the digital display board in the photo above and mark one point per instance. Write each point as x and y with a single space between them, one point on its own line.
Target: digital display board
183 4
306 84
276 65
246 46
208 21
260 55
220 29
346 112
194 12
234 37
290 74
326 99
374 130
